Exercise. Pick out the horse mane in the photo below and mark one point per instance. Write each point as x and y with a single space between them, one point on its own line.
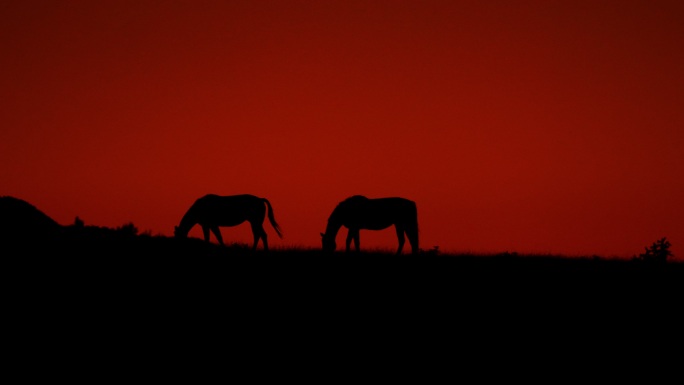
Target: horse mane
341 206
356 197
353 199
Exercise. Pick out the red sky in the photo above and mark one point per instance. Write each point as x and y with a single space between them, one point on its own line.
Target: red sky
527 126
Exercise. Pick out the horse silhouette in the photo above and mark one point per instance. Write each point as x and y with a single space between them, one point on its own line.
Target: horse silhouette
361 213
213 211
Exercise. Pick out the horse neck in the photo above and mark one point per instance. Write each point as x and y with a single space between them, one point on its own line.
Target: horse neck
187 222
333 227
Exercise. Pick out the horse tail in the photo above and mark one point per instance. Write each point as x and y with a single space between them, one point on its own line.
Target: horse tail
271 218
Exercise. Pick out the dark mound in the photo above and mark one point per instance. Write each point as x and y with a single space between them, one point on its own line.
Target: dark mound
20 220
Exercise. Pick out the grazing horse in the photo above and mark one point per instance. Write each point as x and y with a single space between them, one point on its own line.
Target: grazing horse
213 211
361 213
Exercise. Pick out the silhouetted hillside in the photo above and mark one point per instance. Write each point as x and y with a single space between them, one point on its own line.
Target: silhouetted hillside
120 286
99 257
20 220
121 253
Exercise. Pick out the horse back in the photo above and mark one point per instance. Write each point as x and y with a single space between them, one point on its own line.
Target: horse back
229 210
379 213
396 208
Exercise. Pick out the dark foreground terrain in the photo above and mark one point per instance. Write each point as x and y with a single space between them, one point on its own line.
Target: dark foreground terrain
119 265
85 302
157 296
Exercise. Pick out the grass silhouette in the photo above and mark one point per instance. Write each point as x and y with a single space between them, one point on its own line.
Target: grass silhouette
119 288
123 251
85 270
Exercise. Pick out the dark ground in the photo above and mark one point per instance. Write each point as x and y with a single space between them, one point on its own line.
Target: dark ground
164 297
149 270
90 303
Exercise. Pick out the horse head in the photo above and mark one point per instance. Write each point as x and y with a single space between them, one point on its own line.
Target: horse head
328 243
178 233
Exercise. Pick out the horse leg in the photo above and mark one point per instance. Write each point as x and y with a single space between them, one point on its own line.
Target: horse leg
357 242
352 235
400 237
205 230
259 233
264 239
412 234
217 234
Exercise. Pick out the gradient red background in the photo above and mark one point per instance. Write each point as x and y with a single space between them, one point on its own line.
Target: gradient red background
528 126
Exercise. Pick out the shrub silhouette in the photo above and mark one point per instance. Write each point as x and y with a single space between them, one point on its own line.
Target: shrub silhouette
128 229
658 252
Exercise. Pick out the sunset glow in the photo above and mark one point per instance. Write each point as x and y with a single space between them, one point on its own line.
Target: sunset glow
521 126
